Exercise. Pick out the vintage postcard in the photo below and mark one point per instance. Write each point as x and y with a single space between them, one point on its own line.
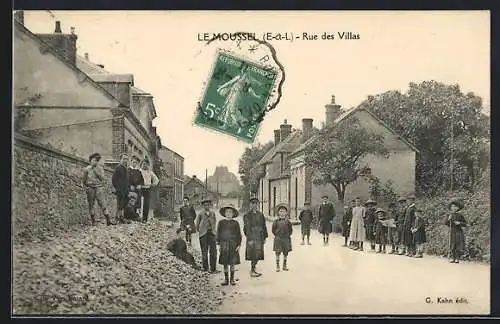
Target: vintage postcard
251 162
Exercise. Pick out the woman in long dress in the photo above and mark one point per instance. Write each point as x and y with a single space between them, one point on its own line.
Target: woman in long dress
357 233
233 90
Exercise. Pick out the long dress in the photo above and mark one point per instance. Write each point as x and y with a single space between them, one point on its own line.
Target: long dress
457 237
255 230
346 222
282 230
229 239
357 231
326 214
306 218
370 223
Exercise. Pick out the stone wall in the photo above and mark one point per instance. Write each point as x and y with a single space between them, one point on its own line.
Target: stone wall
46 191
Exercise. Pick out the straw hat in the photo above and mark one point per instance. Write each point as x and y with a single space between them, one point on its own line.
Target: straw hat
456 202
222 211
371 202
281 205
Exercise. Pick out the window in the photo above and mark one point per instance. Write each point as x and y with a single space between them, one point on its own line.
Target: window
282 162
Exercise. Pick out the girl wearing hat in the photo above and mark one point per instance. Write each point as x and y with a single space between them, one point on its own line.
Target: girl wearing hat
229 241
346 223
282 230
370 222
456 222
392 215
418 231
381 230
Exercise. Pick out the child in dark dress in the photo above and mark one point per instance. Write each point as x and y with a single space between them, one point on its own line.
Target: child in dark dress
381 230
178 248
282 230
229 239
418 231
306 218
346 223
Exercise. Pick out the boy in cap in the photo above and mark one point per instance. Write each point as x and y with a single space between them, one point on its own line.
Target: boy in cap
121 184
346 223
282 230
456 222
92 180
187 216
206 226
178 247
229 241
326 214
306 218
255 230
418 231
370 219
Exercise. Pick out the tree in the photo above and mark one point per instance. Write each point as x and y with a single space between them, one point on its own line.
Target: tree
426 116
247 170
336 156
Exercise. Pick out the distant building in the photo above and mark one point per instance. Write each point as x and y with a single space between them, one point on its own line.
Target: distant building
173 180
196 190
76 106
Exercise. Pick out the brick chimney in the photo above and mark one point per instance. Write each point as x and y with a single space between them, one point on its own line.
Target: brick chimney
307 126
277 136
285 130
19 16
332 112
63 44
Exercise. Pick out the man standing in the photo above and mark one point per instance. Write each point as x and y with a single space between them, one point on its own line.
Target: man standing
306 218
255 230
120 181
409 220
135 179
93 177
326 215
206 226
150 181
187 216
400 219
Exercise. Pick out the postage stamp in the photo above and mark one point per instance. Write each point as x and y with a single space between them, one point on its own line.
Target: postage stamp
236 96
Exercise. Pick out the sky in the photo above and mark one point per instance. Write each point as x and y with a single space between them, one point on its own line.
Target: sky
161 49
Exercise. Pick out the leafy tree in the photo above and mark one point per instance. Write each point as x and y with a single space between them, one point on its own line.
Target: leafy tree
426 115
336 155
247 171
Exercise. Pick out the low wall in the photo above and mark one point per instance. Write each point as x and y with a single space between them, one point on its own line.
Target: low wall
47 193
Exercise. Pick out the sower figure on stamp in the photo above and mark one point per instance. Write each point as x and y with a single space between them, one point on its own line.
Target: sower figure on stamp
370 219
135 178
326 214
206 226
282 230
150 181
93 179
357 232
229 241
120 181
346 223
306 218
187 216
400 219
255 230
456 221
408 224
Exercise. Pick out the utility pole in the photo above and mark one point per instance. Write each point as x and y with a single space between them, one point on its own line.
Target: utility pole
452 150
206 182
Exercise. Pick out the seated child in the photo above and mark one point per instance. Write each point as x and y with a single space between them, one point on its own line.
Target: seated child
179 248
130 211
282 230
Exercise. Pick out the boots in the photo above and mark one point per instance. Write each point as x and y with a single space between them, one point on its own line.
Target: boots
302 243
284 265
277 265
92 220
231 279
403 251
108 220
308 242
372 247
383 249
254 273
226 279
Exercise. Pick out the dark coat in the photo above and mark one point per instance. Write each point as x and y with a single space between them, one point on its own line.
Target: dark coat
255 230
419 236
346 222
179 248
380 232
188 215
326 214
120 180
408 223
457 236
370 218
282 230
135 177
229 238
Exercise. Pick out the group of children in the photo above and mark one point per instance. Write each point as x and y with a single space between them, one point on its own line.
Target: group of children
403 227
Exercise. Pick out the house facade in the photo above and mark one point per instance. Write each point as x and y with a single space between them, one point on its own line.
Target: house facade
173 181
399 168
196 190
76 106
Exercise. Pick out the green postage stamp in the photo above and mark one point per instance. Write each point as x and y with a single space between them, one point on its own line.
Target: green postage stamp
236 97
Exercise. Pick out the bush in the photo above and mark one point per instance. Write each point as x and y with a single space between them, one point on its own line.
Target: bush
476 212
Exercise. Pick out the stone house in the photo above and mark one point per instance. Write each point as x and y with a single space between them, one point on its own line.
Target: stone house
69 103
173 180
399 168
196 190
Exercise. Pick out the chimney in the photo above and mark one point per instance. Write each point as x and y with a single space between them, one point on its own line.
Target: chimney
276 136
86 56
285 130
332 112
63 44
19 16
307 126
100 65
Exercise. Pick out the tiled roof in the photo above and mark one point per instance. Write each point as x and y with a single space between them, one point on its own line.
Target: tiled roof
287 145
